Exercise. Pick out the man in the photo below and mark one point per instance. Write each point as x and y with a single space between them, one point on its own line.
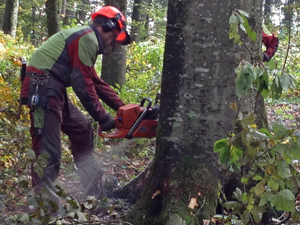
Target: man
271 43
67 59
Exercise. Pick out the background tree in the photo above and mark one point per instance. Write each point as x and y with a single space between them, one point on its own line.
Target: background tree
114 65
253 103
267 11
53 21
10 17
140 20
2 10
68 12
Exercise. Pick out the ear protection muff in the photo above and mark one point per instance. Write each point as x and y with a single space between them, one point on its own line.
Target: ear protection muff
112 23
109 25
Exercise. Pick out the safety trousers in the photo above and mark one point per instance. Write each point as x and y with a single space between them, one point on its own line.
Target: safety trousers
78 128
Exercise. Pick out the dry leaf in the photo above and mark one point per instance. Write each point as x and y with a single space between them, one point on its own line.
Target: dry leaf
205 222
193 203
156 193
233 106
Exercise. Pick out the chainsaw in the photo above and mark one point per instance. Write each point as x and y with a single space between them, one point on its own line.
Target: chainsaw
136 120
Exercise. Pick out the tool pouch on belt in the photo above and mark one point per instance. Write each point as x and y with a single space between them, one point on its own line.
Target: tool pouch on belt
38 118
37 100
37 96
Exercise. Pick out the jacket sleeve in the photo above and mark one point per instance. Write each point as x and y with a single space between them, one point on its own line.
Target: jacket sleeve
106 93
84 80
271 42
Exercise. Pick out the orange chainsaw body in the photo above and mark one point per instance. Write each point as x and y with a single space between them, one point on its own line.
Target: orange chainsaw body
134 121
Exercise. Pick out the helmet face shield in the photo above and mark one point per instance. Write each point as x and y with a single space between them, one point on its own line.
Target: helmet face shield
123 37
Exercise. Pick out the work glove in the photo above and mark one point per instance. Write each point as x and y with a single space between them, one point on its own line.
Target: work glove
109 124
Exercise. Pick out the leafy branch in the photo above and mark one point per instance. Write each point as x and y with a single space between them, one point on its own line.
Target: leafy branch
238 20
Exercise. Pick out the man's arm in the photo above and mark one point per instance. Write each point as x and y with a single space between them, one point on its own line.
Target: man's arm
271 42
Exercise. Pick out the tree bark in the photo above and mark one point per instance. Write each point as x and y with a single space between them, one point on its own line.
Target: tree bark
11 17
53 22
197 88
114 65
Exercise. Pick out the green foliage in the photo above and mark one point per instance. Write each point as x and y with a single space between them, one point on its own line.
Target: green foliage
28 29
258 76
238 20
143 77
155 25
266 78
272 177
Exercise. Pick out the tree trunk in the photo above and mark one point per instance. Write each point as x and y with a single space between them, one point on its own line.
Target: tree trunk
11 17
139 21
2 11
69 14
114 65
197 88
267 11
136 20
33 21
53 22
253 102
63 8
288 12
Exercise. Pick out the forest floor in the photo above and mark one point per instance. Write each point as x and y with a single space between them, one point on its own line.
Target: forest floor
121 164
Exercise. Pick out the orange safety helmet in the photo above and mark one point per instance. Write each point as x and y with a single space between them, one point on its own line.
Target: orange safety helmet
116 16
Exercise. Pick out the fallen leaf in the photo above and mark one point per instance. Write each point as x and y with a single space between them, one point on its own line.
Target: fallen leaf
193 203
205 222
156 193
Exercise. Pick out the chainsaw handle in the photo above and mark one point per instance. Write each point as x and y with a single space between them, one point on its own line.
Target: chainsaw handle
149 102
141 117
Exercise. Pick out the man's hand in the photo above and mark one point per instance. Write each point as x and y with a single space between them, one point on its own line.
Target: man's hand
109 124
266 58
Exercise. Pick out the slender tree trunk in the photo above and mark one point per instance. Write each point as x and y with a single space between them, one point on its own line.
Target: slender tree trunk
288 12
33 21
267 11
69 14
53 22
253 102
197 88
140 23
82 13
2 11
136 21
11 17
63 8
114 65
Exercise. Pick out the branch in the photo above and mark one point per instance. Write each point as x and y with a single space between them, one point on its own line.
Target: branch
3 109
289 43
9 210
252 60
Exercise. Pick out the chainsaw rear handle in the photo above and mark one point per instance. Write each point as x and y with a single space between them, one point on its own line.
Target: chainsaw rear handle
149 102
141 117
